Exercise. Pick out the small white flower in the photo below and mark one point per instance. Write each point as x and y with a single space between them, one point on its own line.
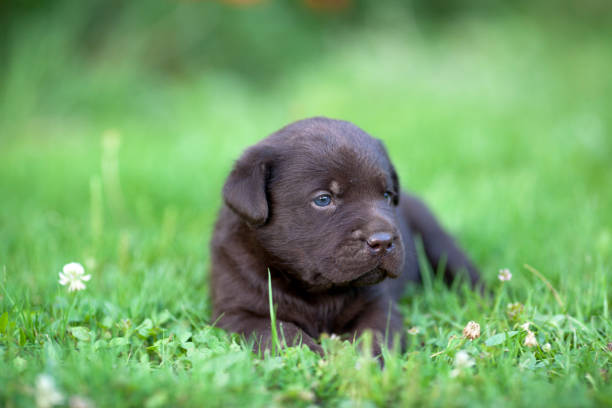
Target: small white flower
73 275
530 339
414 331
525 326
463 360
471 330
47 394
546 347
504 275
76 401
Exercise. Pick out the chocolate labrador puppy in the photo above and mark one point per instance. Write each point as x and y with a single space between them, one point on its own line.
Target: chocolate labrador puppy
318 204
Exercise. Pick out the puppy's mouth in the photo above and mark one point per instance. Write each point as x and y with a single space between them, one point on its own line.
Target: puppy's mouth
370 278
383 268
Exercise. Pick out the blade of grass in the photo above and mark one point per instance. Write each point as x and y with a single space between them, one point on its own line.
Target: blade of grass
274 333
547 283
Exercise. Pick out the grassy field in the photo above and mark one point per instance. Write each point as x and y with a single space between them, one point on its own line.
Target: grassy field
503 125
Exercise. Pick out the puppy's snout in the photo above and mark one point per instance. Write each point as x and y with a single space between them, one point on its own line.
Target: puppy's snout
381 242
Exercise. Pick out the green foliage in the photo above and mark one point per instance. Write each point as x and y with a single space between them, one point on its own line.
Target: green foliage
116 136
275 341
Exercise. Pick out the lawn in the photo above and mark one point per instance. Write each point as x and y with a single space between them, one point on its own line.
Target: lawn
114 157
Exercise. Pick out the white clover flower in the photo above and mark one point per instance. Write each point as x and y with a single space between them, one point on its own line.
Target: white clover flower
46 393
504 275
73 275
546 347
530 339
471 330
525 326
463 360
76 401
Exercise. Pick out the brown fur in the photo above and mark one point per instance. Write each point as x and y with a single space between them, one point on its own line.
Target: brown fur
338 268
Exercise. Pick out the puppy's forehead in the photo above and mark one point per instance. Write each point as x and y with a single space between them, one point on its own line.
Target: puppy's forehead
335 153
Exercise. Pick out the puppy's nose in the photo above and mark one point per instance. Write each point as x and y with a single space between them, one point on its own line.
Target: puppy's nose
380 242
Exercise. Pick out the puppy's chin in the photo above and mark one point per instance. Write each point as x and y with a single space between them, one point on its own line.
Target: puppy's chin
322 284
372 277
369 278
342 274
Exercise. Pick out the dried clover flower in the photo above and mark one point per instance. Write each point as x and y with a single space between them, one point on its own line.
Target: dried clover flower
471 330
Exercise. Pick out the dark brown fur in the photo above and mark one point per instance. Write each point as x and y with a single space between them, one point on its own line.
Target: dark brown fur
330 273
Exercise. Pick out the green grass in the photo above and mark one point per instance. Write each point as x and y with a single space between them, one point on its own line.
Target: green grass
502 124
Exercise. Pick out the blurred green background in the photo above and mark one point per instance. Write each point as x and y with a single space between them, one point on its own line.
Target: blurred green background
120 120
488 108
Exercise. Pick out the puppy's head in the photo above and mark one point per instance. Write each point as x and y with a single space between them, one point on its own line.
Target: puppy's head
321 197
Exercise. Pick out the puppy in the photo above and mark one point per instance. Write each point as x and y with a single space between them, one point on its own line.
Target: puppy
318 204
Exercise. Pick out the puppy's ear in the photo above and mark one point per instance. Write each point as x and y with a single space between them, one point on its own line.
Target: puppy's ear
394 178
396 186
245 188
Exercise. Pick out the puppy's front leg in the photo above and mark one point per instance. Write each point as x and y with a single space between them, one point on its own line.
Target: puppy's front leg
384 320
259 328
438 244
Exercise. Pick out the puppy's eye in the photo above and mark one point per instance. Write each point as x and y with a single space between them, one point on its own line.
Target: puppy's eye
388 196
322 200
